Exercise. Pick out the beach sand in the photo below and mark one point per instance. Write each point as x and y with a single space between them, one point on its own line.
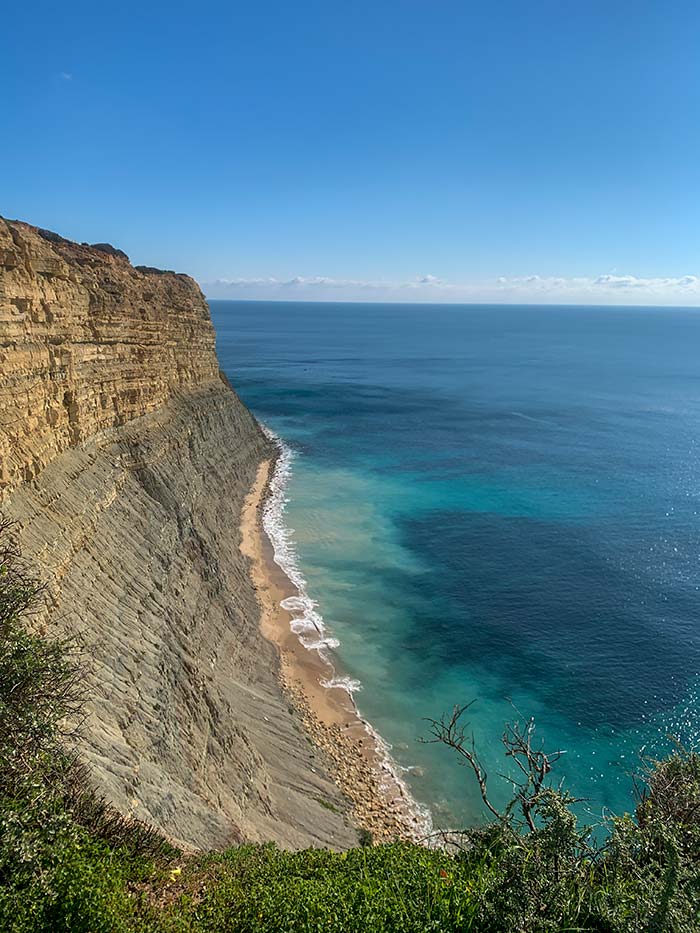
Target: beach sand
379 801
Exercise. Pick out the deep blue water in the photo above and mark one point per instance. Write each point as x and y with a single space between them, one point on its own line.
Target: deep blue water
494 503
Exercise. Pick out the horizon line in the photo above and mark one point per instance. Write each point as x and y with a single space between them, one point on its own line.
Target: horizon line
476 304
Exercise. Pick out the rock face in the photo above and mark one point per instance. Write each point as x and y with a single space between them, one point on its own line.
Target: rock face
88 343
126 459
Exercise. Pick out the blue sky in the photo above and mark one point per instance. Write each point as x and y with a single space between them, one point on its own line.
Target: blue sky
415 150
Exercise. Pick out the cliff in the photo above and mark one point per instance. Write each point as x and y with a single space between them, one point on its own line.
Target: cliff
126 458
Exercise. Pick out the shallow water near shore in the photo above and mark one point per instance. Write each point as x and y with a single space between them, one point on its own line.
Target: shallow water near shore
499 504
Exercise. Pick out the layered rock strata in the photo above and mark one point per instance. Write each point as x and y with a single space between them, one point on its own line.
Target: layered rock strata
126 459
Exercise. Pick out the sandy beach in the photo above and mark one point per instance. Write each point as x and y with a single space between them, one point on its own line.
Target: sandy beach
379 801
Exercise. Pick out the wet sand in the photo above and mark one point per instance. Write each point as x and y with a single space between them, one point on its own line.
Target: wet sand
378 799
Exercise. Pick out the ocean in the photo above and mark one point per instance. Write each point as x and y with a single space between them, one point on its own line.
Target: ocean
498 504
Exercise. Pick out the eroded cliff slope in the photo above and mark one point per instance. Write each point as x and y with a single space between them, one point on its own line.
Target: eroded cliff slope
126 460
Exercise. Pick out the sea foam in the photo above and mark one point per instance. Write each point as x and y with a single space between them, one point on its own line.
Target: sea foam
308 624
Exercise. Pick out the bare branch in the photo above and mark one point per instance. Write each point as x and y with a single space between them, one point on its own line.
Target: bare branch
451 732
531 760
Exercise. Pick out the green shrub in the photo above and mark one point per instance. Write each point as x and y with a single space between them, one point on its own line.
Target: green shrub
397 887
65 854
69 863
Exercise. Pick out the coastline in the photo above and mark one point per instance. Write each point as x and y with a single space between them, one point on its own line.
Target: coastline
380 801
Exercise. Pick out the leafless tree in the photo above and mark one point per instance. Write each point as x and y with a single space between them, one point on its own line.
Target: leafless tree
519 741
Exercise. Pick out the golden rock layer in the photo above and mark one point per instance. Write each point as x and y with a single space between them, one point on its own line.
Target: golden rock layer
87 343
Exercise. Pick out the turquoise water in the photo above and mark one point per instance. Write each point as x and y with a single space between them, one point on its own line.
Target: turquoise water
499 504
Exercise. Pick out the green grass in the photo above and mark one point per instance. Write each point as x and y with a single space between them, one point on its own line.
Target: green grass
327 805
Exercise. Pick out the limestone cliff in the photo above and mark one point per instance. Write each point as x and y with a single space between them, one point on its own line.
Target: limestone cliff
126 459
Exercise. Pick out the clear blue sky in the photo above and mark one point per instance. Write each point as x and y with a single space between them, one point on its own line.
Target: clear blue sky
372 144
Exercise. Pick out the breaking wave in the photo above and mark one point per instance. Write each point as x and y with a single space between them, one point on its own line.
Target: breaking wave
307 622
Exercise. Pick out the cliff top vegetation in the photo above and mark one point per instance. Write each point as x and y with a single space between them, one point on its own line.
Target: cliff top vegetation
70 862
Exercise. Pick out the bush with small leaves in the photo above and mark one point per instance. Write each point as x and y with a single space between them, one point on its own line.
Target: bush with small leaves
69 863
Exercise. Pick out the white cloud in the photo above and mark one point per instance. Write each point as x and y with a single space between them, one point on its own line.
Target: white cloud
608 288
66 75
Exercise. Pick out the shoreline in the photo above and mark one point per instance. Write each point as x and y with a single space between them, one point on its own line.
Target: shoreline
380 802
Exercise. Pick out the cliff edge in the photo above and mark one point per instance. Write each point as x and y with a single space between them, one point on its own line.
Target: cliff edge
126 459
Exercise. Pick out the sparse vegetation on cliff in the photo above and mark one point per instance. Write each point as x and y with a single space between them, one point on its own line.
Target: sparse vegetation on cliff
69 862
65 854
